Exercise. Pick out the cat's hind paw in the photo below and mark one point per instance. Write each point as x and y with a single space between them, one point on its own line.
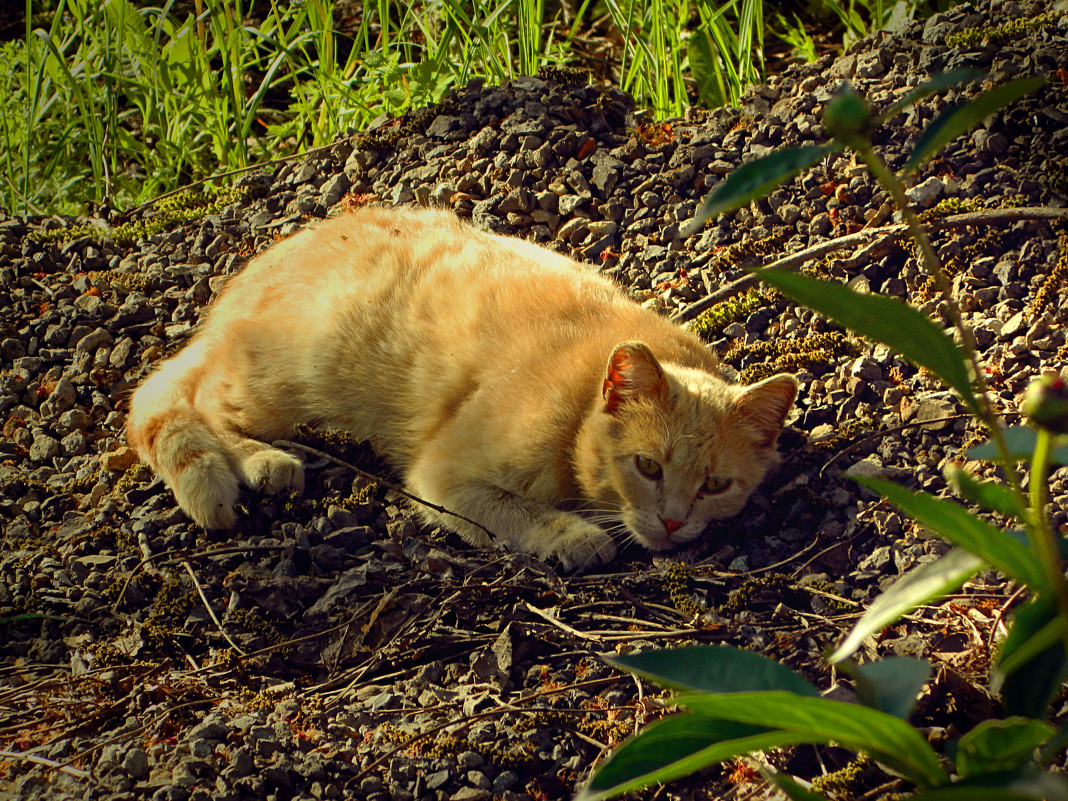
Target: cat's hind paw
579 544
272 471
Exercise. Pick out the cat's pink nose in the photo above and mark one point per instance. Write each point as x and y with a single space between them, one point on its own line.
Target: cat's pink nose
672 525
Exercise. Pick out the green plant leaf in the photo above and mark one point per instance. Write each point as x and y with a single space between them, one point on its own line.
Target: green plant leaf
1028 783
936 84
992 495
913 589
756 179
677 746
887 739
957 120
890 685
1000 745
956 524
1031 663
883 319
1021 442
714 669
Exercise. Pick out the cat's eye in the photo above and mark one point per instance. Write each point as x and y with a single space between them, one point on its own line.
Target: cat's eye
648 467
715 485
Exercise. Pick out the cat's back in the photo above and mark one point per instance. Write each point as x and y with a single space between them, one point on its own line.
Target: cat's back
399 251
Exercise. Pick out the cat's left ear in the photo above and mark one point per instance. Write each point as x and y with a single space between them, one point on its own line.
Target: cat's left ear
633 372
766 404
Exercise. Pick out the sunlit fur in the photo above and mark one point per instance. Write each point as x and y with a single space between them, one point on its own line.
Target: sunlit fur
502 381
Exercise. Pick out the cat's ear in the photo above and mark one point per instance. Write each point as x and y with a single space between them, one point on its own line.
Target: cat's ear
633 372
766 404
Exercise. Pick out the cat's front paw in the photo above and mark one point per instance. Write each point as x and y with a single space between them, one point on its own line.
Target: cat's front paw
272 471
207 491
579 544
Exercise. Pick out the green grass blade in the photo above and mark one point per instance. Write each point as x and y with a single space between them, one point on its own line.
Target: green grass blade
790 788
911 590
882 319
92 121
756 179
958 120
1031 662
713 668
1025 784
885 738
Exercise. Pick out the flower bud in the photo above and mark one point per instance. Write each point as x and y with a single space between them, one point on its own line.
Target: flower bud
1046 403
847 114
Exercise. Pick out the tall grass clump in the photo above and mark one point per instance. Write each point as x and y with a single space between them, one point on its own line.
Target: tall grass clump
112 102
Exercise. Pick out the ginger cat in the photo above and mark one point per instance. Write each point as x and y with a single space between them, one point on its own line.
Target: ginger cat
503 382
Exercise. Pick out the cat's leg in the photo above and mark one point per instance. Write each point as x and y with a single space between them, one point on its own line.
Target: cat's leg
173 439
525 524
194 448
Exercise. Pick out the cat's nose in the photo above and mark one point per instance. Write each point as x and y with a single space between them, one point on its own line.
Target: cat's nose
671 526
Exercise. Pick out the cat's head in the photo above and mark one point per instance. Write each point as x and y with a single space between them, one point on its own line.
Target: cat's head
672 448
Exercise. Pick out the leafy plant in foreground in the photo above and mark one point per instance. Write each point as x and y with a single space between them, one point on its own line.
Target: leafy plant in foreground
737 702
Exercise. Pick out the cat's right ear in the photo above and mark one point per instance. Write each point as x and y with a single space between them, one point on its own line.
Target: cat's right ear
633 372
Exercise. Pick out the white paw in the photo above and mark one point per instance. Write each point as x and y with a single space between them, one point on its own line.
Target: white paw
271 471
579 544
207 490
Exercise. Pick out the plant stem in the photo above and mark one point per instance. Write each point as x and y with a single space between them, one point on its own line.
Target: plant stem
989 417
1038 529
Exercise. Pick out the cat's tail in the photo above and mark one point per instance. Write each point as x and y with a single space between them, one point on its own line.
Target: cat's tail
173 437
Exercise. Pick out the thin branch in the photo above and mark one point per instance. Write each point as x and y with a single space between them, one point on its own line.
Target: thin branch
885 432
77 773
874 237
207 605
545 615
465 722
238 171
397 488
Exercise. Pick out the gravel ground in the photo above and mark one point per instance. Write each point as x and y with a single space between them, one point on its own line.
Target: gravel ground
329 647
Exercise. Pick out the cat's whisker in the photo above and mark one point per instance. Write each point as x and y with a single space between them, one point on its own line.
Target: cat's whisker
604 517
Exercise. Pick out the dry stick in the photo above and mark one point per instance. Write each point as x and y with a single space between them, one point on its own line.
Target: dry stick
207 605
219 670
216 552
99 745
1000 616
869 237
77 773
544 615
284 443
757 570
